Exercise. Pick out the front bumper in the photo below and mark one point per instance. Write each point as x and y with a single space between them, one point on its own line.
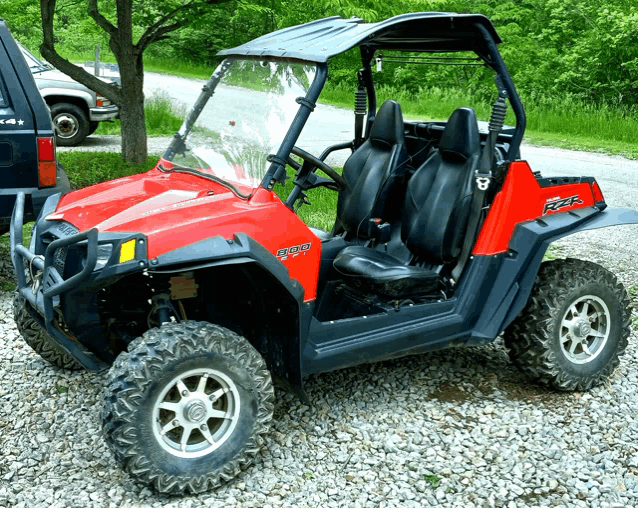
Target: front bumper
46 284
99 114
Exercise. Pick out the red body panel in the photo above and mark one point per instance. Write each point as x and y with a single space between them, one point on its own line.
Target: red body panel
522 199
175 210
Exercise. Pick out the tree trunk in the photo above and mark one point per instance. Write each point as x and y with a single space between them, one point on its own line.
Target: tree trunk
134 149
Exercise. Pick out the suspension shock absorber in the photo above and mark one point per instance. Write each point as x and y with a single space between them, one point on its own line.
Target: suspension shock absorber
360 110
162 308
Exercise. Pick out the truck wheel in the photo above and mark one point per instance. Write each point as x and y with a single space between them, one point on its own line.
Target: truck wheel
70 122
574 328
93 127
186 406
39 339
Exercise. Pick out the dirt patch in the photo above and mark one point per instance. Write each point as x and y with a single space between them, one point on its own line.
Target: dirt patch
524 390
448 392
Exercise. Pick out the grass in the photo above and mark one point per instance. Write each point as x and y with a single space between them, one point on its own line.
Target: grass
89 168
567 123
559 122
553 252
433 480
321 212
162 119
182 68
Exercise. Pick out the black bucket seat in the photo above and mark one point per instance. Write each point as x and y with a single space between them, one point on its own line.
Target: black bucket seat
435 215
374 174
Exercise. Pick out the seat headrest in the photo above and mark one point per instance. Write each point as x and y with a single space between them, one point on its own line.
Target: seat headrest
388 124
461 134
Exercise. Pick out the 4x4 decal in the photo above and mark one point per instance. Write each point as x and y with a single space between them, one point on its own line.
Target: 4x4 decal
294 251
555 204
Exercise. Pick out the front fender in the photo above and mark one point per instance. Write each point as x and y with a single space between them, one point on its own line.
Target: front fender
69 92
516 275
282 352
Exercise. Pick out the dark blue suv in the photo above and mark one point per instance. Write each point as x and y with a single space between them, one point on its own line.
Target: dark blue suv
27 146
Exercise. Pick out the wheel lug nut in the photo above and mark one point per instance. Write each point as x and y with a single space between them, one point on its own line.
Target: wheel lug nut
213 399
203 426
176 422
185 393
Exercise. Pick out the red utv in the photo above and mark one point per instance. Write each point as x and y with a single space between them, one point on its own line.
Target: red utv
196 285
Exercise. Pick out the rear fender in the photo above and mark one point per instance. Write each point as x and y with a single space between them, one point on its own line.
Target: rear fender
515 279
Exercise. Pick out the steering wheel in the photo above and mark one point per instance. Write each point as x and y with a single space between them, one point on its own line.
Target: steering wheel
315 164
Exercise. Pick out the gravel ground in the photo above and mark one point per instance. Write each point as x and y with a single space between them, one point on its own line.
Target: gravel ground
452 428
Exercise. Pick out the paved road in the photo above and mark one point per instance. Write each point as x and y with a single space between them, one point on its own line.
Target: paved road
327 125
616 248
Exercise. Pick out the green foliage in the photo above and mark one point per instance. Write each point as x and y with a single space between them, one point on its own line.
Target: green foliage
432 479
89 168
558 51
162 119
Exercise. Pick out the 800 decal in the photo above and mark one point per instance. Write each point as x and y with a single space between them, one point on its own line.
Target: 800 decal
294 251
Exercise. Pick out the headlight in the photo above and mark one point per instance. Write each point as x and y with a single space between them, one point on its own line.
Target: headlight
104 252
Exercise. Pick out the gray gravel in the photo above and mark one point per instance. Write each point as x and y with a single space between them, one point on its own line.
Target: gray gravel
459 428
453 428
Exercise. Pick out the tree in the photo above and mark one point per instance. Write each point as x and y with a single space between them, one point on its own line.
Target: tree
160 19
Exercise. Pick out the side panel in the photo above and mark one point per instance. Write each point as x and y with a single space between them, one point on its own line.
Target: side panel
516 276
522 199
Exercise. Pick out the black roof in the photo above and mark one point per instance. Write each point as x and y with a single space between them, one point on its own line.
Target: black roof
418 31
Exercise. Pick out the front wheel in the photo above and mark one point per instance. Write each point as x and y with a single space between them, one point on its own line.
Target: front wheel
187 406
574 328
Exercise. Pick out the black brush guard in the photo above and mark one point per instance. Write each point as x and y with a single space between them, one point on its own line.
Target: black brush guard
44 296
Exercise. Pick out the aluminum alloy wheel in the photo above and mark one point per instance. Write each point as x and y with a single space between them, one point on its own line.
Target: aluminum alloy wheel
195 413
66 125
584 329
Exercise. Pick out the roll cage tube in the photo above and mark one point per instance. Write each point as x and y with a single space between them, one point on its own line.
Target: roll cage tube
499 66
276 171
367 55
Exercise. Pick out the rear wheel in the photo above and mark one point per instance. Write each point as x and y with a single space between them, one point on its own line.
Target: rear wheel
574 327
187 406
39 339
70 122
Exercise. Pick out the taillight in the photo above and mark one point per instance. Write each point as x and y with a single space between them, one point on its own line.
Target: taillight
47 167
598 196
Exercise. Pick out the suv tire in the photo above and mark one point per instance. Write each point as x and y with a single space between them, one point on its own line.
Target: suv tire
70 122
574 328
39 339
187 406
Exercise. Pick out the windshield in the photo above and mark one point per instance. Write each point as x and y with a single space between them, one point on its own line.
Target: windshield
245 111
33 62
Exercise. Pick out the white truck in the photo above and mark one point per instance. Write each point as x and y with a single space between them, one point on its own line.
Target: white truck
75 109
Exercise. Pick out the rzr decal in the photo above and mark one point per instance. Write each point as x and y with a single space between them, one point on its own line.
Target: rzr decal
294 251
555 204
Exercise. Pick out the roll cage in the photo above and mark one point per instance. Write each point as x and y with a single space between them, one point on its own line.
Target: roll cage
429 32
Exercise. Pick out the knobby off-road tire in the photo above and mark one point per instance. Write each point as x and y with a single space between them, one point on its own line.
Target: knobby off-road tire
39 339
212 382
574 328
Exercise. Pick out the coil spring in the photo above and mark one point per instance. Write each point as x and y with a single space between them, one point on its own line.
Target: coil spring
499 110
360 102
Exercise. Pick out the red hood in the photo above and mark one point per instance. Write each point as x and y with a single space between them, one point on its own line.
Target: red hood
145 203
174 210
